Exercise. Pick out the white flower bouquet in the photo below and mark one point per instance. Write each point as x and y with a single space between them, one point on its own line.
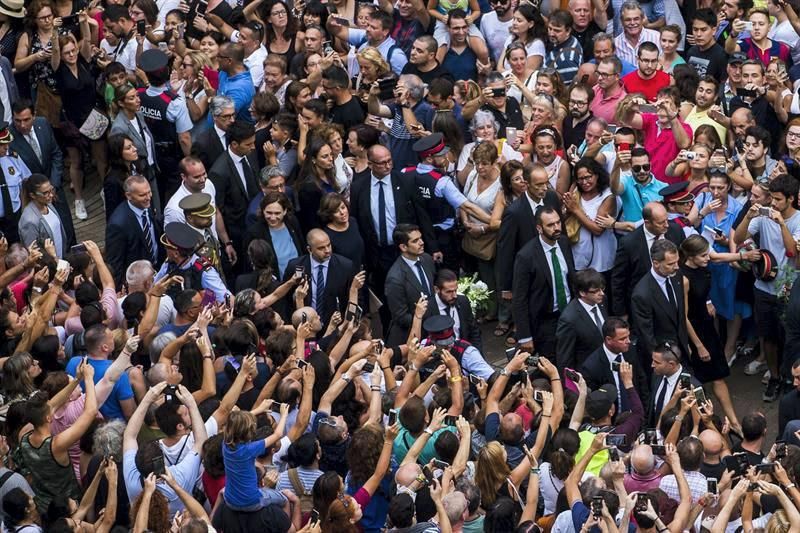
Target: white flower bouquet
476 291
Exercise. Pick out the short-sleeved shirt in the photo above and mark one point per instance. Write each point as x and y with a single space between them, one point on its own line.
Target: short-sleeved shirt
404 441
649 88
770 237
661 146
389 49
241 90
122 390
606 106
712 62
635 196
241 479
778 49
184 473
177 112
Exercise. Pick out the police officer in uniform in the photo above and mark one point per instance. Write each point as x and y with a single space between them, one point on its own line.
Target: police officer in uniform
167 117
440 333
13 171
678 203
182 243
199 213
440 195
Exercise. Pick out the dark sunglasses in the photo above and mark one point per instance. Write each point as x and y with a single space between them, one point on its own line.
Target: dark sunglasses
641 168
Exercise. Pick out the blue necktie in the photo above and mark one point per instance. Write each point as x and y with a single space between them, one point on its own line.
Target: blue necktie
148 237
382 233
422 279
320 287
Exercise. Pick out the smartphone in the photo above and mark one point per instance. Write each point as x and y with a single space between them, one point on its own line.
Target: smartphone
746 93
438 463
212 76
597 506
77 249
69 20
752 487
327 49
428 473
613 455
641 502
616 440
538 396
532 360
510 353
571 375
780 449
765 468
615 366
228 300
169 392
62 265
748 26
686 380
202 7
499 91
647 108
303 318
711 484
475 380
764 211
659 450
387 87
624 147
450 420
276 407
141 27
301 364
612 128
313 517
732 464
342 21
700 395
380 347
158 465
353 312
368 368
718 231
650 436
392 417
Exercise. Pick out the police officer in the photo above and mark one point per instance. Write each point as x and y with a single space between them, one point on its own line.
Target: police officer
678 202
441 334
167 117
440 195
182 243
13 171
199 213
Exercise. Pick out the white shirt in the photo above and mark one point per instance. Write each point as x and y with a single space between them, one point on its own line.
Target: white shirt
534 205
452 313
672 382
5 100
589 310
314 273
173 212
650 238
255 64
237 162
612 358
563 262
221 134
388 196
662 283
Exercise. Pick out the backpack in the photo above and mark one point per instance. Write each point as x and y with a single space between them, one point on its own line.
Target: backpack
306 500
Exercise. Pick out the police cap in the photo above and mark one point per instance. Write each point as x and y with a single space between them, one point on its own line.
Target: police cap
5 133
439 328
677 192
153 60
429 145
180 236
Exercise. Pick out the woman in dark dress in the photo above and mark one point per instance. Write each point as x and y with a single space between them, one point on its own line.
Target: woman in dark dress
124 162
317 178
708 358
71 62
341 228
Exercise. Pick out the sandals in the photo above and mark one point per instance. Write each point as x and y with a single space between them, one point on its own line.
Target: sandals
502 329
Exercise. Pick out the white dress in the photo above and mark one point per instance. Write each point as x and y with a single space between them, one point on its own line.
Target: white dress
595 251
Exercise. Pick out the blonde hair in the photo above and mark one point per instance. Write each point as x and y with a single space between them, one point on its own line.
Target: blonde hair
372 55
200 60
778 523
240 428
491 471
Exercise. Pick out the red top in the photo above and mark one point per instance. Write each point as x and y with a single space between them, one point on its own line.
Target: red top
649 88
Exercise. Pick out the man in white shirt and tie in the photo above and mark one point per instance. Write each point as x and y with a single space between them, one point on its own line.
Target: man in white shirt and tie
450 303
667 369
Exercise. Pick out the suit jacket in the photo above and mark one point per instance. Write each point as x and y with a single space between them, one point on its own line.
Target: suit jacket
260 230
232 199
122 125
403 289
408 207
337 283
208 147
650 406
51 153
655 320
533 285
632 262
125 241
7 72
596 370
516 230
577 335
34 228
468 326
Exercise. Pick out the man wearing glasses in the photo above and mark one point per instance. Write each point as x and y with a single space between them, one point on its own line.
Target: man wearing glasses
574 128
609 90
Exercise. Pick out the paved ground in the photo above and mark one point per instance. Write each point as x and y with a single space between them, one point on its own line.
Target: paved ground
745 390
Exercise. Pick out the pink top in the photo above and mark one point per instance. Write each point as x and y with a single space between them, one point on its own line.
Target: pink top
362 497
605 107
639 483
63 419
661 146
109 300
18 288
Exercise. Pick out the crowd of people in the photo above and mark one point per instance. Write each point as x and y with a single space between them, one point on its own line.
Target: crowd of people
316 213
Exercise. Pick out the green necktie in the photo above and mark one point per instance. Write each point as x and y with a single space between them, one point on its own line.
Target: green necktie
561 292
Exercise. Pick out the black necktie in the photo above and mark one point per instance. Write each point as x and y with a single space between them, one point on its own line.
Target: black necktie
249 177
670 294
148 237
422 278
320 286
618 382
8 207
597 318
383 235
661 397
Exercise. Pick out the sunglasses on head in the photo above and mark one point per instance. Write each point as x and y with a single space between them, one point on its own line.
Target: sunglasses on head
641 168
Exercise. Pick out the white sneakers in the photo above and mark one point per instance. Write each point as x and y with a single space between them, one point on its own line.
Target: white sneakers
80 210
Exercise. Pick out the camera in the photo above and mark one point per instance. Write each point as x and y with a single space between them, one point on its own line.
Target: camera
690 155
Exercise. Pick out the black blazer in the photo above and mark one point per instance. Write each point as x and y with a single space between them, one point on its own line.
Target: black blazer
52 166
208 147
516 230
260 230
632 262
652 318
596 370
402 291
231 197
655 383
577 335
469 329
533 285
125 241
337 283
408 207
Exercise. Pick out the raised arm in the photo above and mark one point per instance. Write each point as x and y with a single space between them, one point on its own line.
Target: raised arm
143 514
580 406
69 436
110 511
198 426
436 423
304 411
679 520
571 488
372 483
191 504
136 420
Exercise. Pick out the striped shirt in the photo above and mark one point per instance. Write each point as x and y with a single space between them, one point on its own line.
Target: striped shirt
566 57
307 477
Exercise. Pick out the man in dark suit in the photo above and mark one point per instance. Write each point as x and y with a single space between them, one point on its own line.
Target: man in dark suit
542 277
410 278
602 365
234 177
633 254
133 230
664 383
329 275
657 303
379 202
211 143
35 143
518 228
456 306
580 326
